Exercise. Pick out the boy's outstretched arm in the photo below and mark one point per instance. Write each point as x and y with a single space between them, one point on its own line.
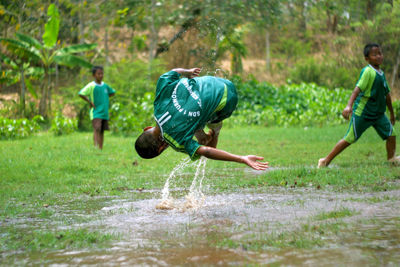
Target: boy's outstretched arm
390 108
189 73
217 154
348 109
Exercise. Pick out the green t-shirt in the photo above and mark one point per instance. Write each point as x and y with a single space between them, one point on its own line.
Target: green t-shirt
183 106
99 95
371 102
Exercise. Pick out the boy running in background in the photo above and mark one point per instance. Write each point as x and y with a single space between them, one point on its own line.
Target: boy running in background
371 96
182 108
97 94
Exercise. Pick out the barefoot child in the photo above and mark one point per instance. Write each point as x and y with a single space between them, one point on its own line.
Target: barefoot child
370 97
182 108
97 94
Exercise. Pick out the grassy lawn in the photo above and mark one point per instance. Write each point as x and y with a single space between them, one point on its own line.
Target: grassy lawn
45 171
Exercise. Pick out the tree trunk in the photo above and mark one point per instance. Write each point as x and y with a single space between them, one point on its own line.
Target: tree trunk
303 22
49 89
23 90
106 45
153 33
57 77
395 69
81 23
267 52
236 63
370 9
43 99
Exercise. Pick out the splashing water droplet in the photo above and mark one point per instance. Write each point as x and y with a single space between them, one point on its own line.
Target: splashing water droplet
167 202
195 197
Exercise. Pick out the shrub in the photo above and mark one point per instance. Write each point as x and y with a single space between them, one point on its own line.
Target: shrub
19 128
303 104
130 119
62 125
327 74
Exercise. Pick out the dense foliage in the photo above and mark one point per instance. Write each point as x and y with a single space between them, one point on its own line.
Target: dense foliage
132 118
260 103
61 125
19 128
311 46
304 104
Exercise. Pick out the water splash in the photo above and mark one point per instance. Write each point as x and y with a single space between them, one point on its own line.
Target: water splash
167 202
195 197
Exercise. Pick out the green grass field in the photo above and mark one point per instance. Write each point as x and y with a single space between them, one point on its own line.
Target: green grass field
46 171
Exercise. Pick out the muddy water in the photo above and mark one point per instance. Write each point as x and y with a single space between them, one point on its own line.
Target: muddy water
150 236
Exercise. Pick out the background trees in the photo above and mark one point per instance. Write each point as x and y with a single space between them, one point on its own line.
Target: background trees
298 40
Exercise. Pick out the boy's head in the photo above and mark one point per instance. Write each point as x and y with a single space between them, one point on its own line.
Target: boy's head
149 144
98 73
373 54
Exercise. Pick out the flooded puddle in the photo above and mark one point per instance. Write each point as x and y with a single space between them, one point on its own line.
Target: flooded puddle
282 226
150 236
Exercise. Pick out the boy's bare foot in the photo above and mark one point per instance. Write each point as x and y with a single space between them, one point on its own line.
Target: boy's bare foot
395 160
321 163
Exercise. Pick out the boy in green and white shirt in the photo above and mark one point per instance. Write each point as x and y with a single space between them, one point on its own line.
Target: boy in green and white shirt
97 94
370 97
182 108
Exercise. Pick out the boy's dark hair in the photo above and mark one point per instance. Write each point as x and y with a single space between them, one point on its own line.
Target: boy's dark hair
95 68
368 48
147 146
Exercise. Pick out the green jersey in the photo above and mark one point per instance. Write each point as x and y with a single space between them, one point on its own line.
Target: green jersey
183 106
371 102
99 95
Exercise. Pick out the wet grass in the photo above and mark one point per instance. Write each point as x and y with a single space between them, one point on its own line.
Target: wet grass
324 234
35 240
60 181
374 199
335 214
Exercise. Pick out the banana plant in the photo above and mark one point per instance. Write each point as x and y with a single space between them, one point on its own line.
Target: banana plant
17 71
46 54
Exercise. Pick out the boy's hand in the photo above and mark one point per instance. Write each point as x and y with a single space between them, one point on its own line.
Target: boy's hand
392 118
253 162
92 105
347 112
193 72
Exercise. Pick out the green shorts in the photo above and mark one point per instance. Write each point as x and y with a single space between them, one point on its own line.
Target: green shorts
358 125
228 103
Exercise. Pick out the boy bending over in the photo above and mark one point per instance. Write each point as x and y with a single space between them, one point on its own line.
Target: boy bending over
182 108
370 97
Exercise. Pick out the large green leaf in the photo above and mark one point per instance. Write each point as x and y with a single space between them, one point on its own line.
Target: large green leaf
9 77
73 49
52 27
30 88
29 40
35 72
21 49
71 61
